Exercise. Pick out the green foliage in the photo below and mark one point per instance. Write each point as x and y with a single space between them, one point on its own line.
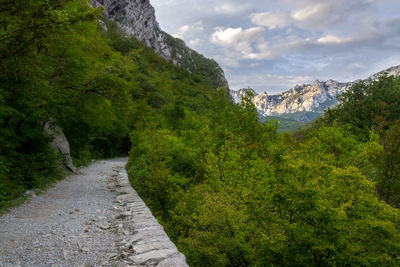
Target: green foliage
229 190
374 106
369 104
57 63
207 69
302 116
29 25
285 125
29 34
233 192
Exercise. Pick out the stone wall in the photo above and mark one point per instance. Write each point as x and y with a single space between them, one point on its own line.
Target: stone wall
144 241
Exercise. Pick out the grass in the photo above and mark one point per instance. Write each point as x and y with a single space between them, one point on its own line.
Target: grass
13 195
6 206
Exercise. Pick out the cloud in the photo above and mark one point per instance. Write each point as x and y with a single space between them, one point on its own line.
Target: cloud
226 37
317 15
228 62
185 29
291 39
195 42
292 79
231 8
271 20
331 39
265 51
236 36
241 41
311 13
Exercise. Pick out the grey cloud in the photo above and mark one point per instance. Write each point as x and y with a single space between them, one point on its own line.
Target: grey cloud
320 15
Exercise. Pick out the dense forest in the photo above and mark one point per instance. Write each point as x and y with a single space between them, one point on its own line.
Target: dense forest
229 190
233 192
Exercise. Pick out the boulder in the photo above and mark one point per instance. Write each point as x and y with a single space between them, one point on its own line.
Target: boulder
60 144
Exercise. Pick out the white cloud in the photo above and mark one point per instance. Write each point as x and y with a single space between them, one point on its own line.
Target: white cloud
226 37
233 36
231 8
331 39
254 33
271 20
239 40
194 42
189 29
313 12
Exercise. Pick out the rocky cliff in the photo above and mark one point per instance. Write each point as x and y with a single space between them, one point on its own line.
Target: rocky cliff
137 19
314 98
237 95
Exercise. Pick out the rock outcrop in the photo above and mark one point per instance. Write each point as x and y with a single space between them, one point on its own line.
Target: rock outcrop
137 19
60 144
237 95
316 97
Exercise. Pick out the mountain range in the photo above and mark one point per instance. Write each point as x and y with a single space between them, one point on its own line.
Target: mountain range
304 102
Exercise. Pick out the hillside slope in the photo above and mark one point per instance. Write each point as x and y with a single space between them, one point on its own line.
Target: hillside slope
137 19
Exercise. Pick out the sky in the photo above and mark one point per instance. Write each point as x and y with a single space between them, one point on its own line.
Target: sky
272 45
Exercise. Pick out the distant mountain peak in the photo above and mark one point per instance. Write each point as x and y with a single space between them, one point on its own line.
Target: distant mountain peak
315 97
238 94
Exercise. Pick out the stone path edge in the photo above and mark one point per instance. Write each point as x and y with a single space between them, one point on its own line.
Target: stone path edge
145 242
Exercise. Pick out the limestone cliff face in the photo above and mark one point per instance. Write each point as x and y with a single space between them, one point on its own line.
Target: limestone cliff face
137 19
315 97
237 95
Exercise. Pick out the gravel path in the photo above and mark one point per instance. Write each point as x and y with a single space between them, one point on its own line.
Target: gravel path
81 221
